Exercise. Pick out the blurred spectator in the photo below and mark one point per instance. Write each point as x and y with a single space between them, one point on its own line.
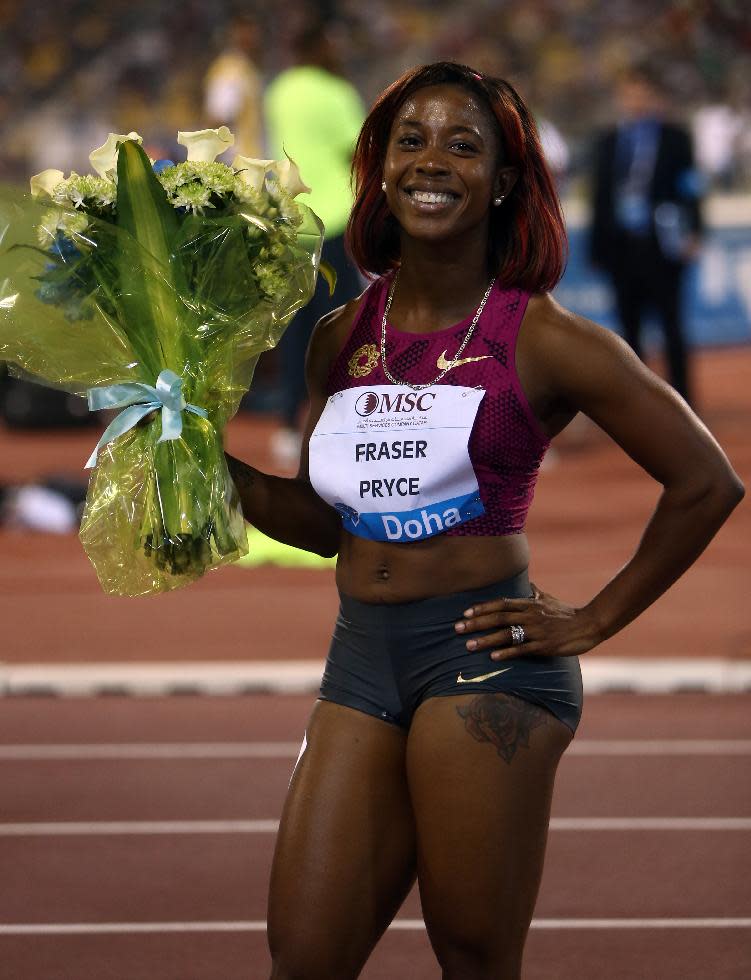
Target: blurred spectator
314 115
646 219
717 131
555 148
233 88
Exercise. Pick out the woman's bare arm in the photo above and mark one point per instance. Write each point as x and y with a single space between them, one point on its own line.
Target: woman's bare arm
289 509
591 370
601 376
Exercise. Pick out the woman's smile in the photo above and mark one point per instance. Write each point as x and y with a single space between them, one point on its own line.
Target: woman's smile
428 201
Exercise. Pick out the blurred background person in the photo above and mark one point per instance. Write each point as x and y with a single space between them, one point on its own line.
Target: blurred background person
646 219
717 128
314 115
233 88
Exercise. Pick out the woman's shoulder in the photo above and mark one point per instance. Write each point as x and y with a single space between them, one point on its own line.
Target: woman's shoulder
331 332
550 326
333 328
572 353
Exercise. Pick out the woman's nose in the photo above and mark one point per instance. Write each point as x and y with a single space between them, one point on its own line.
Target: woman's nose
432 161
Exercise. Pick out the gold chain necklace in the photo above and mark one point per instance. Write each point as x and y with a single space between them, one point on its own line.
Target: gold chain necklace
450 364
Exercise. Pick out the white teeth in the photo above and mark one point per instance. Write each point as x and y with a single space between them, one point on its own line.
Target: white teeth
427 197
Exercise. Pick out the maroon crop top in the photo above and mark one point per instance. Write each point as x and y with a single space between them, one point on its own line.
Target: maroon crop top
507 443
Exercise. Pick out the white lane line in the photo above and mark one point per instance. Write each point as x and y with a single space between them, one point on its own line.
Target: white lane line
131 827
660 746
405 925
650 823
154 750
708 923
288 750
107 827
599 675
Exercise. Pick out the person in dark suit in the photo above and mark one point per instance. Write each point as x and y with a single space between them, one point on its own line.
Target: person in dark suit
646 218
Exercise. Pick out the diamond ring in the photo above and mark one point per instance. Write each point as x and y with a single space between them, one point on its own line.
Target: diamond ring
517 635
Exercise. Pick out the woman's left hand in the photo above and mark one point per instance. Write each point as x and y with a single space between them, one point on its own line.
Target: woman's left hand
551 627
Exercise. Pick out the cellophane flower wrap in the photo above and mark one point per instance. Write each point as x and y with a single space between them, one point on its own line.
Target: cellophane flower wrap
152 289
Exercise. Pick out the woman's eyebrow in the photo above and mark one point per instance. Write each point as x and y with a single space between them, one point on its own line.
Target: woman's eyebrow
453 129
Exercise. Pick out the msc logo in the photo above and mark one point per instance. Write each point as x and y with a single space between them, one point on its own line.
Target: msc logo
370 402
366 404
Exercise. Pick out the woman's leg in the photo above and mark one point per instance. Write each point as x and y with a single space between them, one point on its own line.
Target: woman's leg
345 853
481 769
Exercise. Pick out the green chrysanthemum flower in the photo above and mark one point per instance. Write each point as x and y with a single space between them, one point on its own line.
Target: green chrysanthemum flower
260 202
271 279
85 191
193 196
218 177
171 177
285 203
212 178
68 222
245 194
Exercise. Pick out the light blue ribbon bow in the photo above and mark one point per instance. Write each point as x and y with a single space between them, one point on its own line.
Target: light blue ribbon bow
142 399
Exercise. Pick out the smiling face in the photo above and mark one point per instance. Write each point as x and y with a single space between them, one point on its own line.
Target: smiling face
443 165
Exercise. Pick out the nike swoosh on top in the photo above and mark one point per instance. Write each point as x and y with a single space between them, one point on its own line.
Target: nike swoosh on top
442 364
482 677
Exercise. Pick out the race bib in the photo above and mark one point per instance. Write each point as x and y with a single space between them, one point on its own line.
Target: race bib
395 462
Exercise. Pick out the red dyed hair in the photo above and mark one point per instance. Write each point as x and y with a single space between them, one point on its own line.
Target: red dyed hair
527 246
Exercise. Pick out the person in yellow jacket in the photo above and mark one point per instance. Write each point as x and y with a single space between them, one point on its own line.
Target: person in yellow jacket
233 89
313 114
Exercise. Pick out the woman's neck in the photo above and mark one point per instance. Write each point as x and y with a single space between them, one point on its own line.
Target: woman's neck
438 286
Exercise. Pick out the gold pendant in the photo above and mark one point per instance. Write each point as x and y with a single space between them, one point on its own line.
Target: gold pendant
357 370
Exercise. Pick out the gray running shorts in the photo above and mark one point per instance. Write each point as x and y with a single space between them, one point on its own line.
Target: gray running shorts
387 658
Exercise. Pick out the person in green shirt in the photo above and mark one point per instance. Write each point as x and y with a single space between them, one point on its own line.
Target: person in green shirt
313 114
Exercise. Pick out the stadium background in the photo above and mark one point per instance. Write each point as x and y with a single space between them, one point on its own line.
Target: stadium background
80 771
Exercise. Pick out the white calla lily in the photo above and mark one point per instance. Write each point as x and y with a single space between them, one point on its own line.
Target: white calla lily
45 182
288 174
104 158
205 145
250 171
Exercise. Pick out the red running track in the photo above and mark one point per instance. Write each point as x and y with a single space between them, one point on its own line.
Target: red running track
79 765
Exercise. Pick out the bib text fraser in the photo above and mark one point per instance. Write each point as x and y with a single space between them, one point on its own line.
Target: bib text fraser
372 452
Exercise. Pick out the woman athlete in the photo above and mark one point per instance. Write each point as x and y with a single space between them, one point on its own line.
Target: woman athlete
452 686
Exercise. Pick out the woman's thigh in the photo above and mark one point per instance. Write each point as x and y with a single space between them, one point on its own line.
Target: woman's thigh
481 769
345 854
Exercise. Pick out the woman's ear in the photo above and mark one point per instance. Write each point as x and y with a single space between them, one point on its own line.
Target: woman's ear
504 181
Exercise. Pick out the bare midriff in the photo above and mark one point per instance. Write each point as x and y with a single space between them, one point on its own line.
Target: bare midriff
376 571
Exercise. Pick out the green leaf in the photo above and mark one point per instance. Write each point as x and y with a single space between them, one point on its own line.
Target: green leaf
151 275
142 206
329 274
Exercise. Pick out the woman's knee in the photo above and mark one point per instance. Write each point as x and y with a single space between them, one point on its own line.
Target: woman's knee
473 958
302 953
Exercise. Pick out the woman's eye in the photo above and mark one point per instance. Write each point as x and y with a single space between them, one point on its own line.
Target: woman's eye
408 141
464 147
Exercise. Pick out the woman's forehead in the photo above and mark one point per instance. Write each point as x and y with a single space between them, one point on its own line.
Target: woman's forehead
444 101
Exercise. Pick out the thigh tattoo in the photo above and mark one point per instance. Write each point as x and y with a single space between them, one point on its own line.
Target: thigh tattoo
504 721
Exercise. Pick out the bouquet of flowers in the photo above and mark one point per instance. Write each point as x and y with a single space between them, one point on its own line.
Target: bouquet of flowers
152 289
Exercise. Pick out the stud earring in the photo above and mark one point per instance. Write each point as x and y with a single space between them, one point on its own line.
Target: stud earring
383 186
498 200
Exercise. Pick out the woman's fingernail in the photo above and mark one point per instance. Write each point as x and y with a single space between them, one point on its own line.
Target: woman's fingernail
471 644
468 612
460 627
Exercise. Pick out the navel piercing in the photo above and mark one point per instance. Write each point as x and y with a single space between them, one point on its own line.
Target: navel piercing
383 186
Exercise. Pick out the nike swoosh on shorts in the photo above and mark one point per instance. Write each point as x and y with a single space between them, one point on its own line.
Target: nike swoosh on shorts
482 677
